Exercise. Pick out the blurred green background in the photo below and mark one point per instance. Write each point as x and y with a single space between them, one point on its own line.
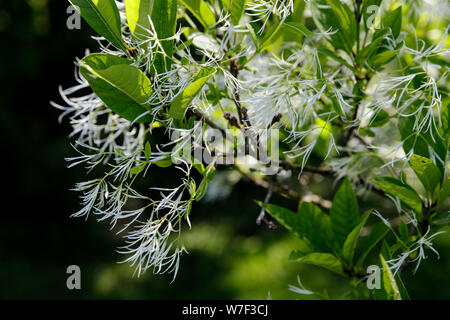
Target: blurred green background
230 257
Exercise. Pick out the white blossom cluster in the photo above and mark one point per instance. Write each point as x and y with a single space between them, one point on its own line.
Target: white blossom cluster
297 85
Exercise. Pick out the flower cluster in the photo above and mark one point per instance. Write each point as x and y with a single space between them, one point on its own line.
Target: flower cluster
360 99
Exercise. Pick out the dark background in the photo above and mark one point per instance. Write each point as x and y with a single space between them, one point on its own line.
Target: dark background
229 256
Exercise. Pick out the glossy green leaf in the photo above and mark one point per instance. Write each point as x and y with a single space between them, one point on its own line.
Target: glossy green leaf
401 288
370 9
182 101
428 173
411 139
445 191
420 143
326 19
310 224
393 20
210 172
123 88
295 17
103 16
137 169
379 119
348 250
383 58
389 283
444 129
324 260
344 212
148 151
202 188
375 236
403 231
398 189
346 20
164 163
289 219
236 11
371 49
138 14
271 34
298 28
201 11
164 18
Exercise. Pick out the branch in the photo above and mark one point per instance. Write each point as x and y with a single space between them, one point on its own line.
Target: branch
242 112
284 190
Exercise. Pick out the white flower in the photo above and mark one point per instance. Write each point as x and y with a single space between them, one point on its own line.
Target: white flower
419 246
300 289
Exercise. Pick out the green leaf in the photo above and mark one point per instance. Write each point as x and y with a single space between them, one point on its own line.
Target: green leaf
403 231
298 28
369 50
444 129
137 169
334 56
325 19
148 151
348 250
344 212
346 20
164 18
201 11
296 254
375 236
270 35
252 34
445 191
164 163
182 101
296 16
237 10
379 119
123 88
103 16
383 58
289 219
138 13
386 253
393 20
428 173
200 168
310 224
412 140
370 7
201 191
324 260
401 287
210 172
440 219
389 283
398 189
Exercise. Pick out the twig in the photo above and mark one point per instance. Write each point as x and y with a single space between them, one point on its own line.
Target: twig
262 214
352 129
201 116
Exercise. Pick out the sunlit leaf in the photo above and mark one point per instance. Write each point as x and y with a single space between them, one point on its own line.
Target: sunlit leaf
201 11
122 87
103 16
182 101
398 189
